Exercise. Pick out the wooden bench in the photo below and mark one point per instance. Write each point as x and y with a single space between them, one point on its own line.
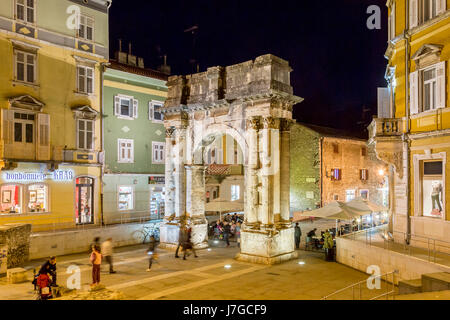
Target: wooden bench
16 275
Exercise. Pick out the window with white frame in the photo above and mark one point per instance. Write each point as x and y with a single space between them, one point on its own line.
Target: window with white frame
364 174
25 10
432 185
86 30
125 107
235 192
158 152
25 66
154 111
125 150
85 134
125 198
428 88
85 77
349 195
421 11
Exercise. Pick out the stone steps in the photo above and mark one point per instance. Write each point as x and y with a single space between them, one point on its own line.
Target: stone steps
429 282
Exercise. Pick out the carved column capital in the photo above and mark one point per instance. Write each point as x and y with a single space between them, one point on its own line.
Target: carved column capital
254 123
286 124
170 132
271 123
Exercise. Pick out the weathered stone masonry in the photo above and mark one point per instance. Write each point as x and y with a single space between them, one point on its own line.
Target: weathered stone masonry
252 102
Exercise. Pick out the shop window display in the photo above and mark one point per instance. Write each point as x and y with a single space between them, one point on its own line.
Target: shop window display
84 200
157 202
37 198
125 198
10 199
432 189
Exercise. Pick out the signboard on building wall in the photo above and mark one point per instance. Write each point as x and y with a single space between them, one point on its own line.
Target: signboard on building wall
156 180
57 175
3 258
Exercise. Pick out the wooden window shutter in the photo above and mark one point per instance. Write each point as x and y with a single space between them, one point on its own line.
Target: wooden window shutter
150 111
414 92
116 105
43 139
7 132
413 13
393 33
135 108
440 85
441 6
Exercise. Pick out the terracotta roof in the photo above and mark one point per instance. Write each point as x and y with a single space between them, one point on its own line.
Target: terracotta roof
136 70
332 132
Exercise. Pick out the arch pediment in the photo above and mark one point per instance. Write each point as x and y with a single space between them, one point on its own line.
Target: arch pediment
427 54
85 112
26 102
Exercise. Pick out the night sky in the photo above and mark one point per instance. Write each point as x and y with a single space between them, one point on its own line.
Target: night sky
338 62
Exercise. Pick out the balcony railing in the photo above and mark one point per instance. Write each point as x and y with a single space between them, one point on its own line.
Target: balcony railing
385 127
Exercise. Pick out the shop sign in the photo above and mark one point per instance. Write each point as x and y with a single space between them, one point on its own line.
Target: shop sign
156 180
57 175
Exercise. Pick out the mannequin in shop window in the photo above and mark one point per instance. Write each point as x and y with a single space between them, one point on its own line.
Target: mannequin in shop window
435 197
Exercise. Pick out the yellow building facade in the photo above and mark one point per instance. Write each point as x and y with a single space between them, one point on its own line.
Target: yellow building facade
52 56
412 130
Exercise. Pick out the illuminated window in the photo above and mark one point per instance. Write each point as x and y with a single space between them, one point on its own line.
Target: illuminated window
336 174
349 195
433 199
84 200
126 198
11 196
37 198
364 174
235 192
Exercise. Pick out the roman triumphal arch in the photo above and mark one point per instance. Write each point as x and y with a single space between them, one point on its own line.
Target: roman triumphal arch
251 102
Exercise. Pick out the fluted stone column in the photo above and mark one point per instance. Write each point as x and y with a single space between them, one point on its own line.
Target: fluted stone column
251 173
195 205
175 187
285 157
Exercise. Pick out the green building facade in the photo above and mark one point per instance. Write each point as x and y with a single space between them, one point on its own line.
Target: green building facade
134 142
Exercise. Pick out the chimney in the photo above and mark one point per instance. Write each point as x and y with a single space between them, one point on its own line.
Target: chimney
164 68
141 63
121 57
131 59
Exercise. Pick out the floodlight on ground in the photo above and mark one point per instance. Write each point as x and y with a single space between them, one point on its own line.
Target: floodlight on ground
216 241
227 266
301 262
209 249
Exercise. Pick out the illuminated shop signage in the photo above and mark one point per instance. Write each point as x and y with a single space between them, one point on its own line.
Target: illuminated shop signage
156 180
57 175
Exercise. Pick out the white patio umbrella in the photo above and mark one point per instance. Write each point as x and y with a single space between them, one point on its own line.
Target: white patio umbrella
336 210
360 204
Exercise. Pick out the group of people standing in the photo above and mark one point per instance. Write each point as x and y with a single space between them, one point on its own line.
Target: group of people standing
227 228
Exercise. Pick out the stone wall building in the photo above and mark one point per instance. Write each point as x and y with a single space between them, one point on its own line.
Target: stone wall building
329 164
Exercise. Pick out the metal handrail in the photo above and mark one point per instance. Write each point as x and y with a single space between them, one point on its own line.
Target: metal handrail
365 281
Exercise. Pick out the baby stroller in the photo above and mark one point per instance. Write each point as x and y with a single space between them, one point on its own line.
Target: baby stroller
43 286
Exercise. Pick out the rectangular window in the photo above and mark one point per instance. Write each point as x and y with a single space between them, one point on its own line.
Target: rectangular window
364 174
86 30
364 194
429 89
125 106
363 151
154 111
85 81
158 152
11 196
429 9
432 189
25 10
126 195
392 22
37 198
23 127
349 195
336 174
25 66
125 150
335 148
85 134
235 192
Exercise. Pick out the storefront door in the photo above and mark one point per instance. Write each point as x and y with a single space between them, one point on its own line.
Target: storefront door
84 200
156 202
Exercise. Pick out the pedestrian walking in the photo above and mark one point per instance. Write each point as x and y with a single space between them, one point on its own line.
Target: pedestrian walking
238 234
226 233
181 239
297 235
96 260
107 253
188 245
151 251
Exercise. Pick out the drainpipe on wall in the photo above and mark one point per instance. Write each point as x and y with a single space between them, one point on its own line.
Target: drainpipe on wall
405 137
321 171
